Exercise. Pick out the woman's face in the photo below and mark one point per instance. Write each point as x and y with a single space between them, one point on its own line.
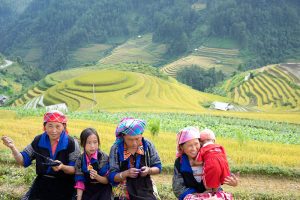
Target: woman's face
91 144
132 141
54 129
191 148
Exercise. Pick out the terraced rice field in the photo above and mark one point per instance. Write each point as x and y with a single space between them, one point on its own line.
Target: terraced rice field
117 90
226 60
271 88
34 96
138 50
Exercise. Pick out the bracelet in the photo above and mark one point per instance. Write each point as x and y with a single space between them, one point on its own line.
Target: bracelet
121 176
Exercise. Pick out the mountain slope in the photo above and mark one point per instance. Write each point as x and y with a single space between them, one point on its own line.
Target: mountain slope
270 88
113 90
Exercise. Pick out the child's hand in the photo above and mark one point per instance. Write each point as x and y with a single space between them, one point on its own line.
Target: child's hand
232 180
8 142
93 174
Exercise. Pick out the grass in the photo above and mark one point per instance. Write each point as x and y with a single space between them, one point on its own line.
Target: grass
225 43
137 50
270 165
89 54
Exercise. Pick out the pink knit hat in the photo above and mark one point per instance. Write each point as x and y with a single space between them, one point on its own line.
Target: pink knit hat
184 135
207 134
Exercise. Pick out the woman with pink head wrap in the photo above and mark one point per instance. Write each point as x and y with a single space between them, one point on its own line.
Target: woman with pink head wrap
187 178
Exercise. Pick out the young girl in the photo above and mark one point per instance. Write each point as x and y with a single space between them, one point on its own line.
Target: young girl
91 169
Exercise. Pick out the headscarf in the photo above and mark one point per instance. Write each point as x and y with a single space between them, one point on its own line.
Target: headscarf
55 116
184 135
129 126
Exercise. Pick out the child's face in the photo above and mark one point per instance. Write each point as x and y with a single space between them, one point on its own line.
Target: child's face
91 145
191 148
54 129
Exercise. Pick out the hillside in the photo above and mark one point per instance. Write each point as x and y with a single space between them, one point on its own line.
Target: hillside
137 50
225 59
51 34
273 87
111 90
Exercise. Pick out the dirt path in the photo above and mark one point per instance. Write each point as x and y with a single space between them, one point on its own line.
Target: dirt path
252 184
7 63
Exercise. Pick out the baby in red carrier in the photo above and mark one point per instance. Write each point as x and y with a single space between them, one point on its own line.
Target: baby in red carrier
213 157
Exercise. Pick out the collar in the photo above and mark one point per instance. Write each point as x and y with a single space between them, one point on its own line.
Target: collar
207 143
140 151
63 142
185 164
91 157
121 149
89 160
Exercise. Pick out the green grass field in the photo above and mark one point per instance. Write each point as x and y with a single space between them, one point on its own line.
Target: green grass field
267 172
137 50
89 54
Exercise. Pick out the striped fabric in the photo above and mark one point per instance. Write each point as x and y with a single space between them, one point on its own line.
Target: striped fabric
221 195
129 126
55 116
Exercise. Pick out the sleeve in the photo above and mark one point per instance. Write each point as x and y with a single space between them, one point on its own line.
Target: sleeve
104 165
114 166
199 157
178 186
79 185
79 176
75 154
28 155
154 157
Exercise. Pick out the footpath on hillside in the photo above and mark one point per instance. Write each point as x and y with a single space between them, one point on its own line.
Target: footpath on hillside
7 63
250 187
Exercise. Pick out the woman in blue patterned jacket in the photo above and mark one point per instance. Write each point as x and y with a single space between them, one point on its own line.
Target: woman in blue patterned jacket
132 160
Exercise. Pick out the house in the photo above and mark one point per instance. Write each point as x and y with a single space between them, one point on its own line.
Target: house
3 99
61 107
221 106
248 76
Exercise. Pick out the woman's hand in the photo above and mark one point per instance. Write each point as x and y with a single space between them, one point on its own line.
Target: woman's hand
145 171
132 172
232 180
59 167
93 174
8 142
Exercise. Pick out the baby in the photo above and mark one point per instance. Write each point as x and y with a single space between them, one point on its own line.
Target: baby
213 157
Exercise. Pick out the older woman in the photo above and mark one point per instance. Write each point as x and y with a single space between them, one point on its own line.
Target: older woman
187 178
55 153
132 160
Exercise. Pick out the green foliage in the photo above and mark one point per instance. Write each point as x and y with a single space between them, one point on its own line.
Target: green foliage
154 126
267 170
258 26
58 28
198 78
